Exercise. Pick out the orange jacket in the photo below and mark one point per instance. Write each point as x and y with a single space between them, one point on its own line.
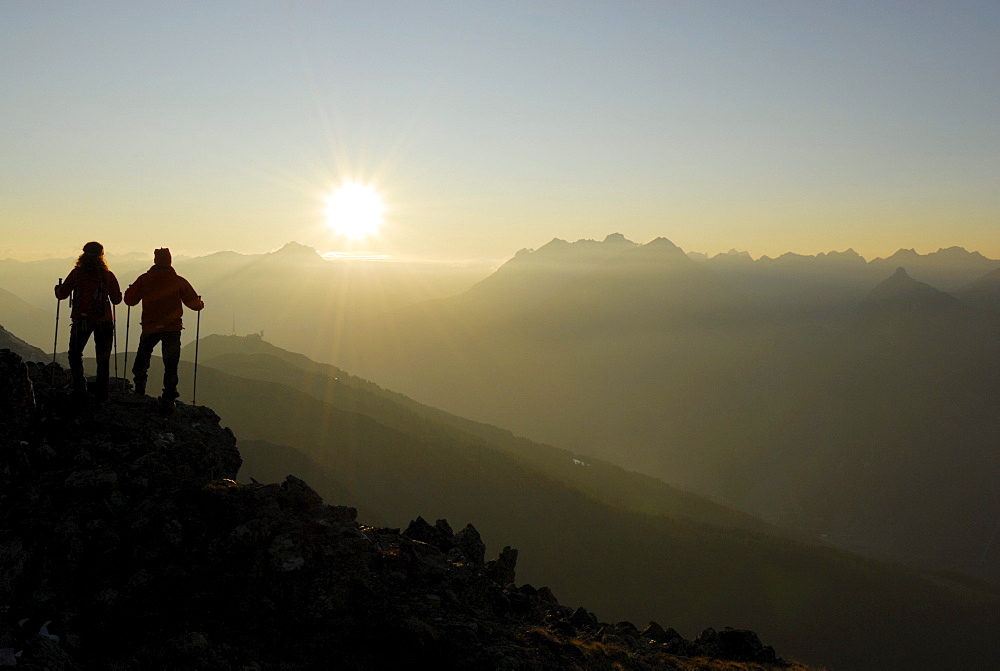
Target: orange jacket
162 291
90 280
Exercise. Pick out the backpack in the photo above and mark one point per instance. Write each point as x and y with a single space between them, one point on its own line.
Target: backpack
90 296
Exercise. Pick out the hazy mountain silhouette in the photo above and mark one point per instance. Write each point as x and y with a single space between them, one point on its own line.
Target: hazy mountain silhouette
901 293
272 292
562 271
886 431
735 378
825 285
253 357
983 293
947 268
33 324
533 279
761 400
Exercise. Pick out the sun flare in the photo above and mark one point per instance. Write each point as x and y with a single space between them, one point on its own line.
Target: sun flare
354 210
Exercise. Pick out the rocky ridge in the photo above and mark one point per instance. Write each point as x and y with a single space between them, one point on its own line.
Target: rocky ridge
27 352
125 543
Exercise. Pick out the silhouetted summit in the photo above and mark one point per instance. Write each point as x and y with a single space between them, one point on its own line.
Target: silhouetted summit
903 292
125 543
296 253
947 268
295 248
618 239
665 249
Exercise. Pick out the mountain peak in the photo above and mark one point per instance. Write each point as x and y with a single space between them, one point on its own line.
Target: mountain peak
902 291
898 284
848 255
617 239
298 255
662 242
553 245
957 253
294 247
731 258
663 247
952 254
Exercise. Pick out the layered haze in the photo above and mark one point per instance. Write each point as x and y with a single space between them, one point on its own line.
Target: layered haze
851 400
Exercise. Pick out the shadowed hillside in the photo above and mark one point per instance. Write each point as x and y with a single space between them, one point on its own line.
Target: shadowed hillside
125 543
795 389
983 293
27 352
256 358
597 551
31 323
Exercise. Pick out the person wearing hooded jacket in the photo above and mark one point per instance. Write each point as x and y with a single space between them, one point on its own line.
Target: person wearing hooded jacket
164 294
94 288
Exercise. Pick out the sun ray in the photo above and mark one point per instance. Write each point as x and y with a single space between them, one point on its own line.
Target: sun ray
355 210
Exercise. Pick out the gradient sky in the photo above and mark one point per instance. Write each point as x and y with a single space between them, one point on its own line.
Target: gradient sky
491 126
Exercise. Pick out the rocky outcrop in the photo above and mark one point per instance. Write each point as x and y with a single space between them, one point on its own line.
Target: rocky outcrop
125 543
17 399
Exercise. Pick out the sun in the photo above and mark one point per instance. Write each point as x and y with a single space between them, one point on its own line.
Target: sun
354 210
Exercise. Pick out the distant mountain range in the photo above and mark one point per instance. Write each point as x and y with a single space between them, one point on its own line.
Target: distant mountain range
844 398
254 292
391 284
800 389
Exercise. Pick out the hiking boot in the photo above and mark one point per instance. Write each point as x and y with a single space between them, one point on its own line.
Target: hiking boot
165 405
140 388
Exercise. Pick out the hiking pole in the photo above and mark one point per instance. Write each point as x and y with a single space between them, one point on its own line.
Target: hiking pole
197 334
128 318
114 339
55 339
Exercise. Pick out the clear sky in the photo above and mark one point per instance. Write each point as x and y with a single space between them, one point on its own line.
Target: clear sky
764 126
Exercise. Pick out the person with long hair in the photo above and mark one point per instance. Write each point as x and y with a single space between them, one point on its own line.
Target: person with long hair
94 288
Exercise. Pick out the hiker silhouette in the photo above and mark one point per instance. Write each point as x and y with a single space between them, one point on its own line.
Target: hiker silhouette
164 294
94 288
